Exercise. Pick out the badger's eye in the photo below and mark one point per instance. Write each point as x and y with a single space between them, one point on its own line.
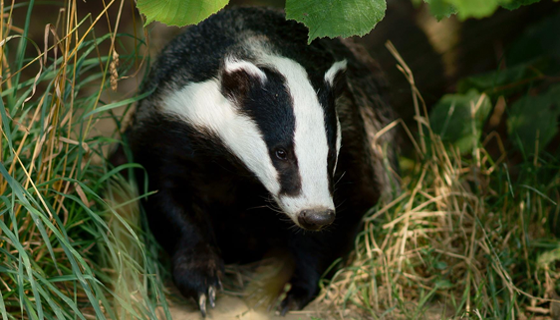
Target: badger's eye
281 154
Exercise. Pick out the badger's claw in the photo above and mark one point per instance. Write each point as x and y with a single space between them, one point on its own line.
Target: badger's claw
202 304
212 296
197 275
296 299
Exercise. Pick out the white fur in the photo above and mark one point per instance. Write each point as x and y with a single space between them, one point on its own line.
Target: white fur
338 141
329 78
334 70
202 104
311 147
231 65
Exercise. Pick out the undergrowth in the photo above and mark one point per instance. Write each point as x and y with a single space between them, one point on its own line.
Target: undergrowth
468 235
64 252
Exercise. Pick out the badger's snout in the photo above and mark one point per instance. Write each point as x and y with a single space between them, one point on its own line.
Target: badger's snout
315 219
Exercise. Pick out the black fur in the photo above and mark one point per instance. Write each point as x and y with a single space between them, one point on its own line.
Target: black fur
270 106
209 209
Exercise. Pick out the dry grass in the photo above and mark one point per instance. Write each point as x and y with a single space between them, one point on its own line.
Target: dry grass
467 236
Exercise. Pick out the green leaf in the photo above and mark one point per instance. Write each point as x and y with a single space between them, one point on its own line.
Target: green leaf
515 4
474 8
179 12
533 118
504 82
336 18
453 120
441 9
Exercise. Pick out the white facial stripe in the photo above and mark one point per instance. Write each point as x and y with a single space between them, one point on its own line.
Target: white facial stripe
231 65
310 139
338 141
201 104
333 70
329 78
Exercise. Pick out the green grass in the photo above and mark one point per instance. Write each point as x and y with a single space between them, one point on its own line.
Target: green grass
65 253
468 234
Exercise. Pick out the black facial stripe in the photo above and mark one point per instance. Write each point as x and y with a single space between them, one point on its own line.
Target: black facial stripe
270 105
327 96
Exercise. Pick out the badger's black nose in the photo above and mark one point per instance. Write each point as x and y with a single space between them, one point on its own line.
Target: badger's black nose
315 219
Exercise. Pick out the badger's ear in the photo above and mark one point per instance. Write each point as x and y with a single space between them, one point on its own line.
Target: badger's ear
237 77
335 76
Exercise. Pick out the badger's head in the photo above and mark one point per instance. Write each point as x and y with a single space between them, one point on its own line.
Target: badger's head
281 122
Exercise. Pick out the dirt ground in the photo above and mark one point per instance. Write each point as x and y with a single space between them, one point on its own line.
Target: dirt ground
249 290
229 307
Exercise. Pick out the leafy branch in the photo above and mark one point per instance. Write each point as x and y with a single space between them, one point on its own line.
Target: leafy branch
324 18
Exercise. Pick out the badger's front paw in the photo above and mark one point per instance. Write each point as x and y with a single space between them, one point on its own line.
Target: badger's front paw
197 273
298 297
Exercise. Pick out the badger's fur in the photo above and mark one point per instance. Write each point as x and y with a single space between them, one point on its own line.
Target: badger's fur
250 135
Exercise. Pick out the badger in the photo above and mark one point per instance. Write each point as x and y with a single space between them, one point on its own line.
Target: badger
254 139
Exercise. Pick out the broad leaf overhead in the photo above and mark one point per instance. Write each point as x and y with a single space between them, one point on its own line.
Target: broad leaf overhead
514 4
324 18
179 12
344 18
475 8
441 9
472 8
